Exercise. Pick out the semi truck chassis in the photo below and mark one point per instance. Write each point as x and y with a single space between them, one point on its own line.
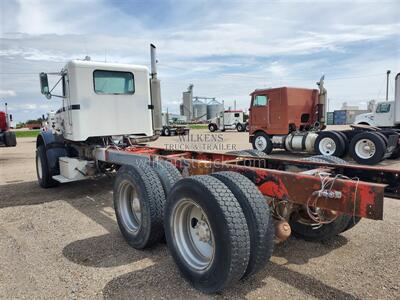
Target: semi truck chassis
174 129
221 214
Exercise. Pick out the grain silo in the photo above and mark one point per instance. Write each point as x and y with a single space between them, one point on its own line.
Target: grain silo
214 108
187 98
199 110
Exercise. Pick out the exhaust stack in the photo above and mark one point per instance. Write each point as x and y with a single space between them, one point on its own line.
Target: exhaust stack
155 93
322 107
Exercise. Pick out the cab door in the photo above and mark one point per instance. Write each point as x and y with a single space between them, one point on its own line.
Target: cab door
384 114
259 112
276 110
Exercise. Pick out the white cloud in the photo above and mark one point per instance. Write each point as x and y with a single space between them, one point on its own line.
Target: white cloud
28 106
7 93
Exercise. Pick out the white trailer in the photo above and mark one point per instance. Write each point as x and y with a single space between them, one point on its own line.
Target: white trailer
228 119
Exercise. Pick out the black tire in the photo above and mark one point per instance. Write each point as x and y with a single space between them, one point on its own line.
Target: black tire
396 153
265 144
314 159
258 218
238 153
332 159
247 127
167 173
383 137
345 140
240 127
340 146
151 196
43 174
167 131
6 138
377 140
162 133
229 229
212 127
353 222
325 232
257 153
10 139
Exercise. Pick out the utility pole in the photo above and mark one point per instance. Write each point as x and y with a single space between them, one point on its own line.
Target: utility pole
387 84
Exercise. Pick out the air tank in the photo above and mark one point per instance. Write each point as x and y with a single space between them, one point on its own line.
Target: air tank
199 110
214 108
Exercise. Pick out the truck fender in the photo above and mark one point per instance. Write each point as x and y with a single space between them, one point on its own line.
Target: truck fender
54 150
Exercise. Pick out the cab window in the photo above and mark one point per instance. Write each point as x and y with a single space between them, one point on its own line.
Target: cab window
383 108
237 115
113 82
260 100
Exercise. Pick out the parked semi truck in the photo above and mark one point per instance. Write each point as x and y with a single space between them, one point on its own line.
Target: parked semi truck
228 119
294 119
7 137
386 114
173 128
219 213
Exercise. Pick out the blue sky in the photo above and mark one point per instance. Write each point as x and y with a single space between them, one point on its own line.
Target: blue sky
225 48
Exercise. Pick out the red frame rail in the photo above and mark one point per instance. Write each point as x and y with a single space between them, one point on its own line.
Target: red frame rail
358 197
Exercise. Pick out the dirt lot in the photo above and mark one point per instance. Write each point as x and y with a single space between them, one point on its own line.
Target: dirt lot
64 243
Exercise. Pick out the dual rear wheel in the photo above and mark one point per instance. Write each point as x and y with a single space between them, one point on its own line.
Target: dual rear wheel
364 147
218 228
368 147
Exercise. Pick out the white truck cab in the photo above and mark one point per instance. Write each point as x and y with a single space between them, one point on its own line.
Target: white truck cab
103 99
103 105
385 114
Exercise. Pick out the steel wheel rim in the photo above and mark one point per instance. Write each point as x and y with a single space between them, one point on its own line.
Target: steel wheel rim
130 207
39 166
327 146
193 235
261 143
365 148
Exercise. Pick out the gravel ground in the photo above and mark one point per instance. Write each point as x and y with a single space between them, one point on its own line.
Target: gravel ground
64 243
